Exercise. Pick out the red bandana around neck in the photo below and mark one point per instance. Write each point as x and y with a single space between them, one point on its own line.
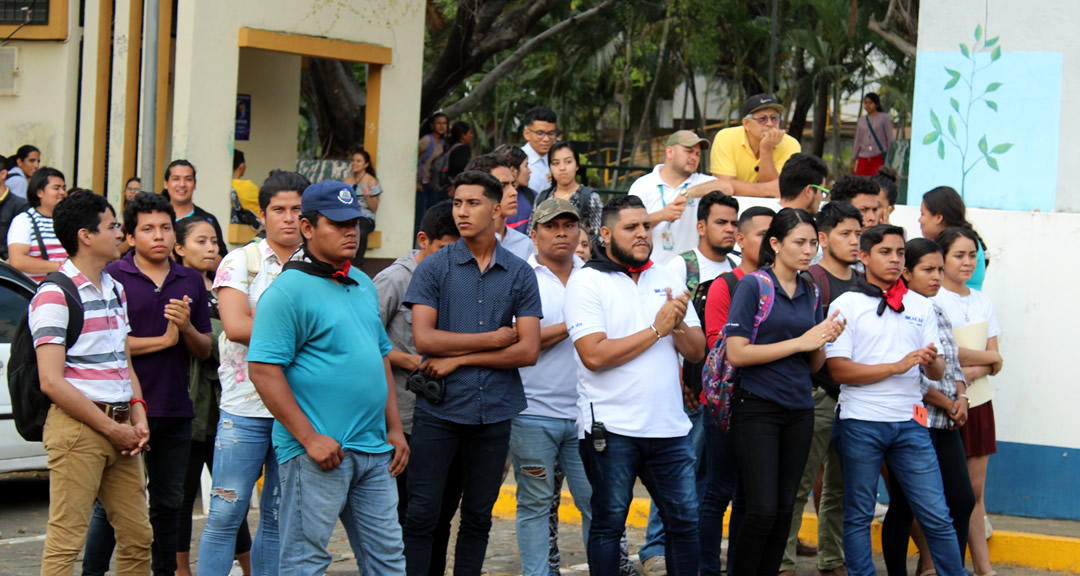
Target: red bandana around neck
343 273
894 296
640 269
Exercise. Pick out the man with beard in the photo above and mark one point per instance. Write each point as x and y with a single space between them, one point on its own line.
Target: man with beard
716 227
629 321
671 192
839 227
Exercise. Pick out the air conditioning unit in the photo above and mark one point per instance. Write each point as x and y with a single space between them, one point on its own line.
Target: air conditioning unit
9 70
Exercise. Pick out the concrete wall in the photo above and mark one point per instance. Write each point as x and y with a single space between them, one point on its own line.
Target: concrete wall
43 111
208 61
1049 29
273 81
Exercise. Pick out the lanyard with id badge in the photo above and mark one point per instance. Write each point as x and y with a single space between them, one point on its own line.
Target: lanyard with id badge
667 237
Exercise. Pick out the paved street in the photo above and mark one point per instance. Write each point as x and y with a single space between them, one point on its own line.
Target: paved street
24 512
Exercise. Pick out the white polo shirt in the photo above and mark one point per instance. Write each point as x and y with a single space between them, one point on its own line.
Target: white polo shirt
551 385
669 238
872 339
643 397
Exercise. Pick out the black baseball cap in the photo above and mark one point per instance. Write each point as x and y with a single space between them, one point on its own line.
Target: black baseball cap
333 199
761 102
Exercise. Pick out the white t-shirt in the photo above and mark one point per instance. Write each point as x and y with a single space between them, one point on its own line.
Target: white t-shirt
669 238
21 231
238 395
643 397
971 309
551 385
871 339
707 269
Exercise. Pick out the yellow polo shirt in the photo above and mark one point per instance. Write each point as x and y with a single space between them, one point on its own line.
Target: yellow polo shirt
732 156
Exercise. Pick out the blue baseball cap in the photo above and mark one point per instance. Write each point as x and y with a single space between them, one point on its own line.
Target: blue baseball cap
333 199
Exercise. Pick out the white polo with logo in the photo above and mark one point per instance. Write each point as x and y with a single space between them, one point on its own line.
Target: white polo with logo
871 339
643 397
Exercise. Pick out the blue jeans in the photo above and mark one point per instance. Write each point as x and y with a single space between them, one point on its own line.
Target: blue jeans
242 452
906 448
721 483
361 493
437 446
654 530
165 468
666 468
536 444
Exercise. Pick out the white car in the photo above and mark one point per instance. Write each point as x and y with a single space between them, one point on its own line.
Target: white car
15 453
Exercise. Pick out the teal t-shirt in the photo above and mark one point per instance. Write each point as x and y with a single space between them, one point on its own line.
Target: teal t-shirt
979 275
330 342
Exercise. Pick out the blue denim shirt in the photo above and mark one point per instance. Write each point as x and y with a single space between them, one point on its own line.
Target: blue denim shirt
469 301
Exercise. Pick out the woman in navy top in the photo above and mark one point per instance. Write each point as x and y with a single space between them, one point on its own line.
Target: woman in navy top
773 410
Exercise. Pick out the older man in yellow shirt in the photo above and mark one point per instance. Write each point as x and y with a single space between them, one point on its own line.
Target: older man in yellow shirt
751 156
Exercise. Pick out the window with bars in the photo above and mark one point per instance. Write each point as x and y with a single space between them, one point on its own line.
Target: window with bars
13 12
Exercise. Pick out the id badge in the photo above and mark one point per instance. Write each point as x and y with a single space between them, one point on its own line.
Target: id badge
669 240
920 416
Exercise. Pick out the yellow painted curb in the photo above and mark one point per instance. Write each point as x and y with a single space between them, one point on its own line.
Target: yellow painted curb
1054 553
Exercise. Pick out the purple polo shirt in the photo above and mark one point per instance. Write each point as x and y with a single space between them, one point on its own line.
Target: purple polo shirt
162 374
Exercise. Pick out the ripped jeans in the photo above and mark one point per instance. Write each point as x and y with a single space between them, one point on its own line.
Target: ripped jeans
242 449
536 444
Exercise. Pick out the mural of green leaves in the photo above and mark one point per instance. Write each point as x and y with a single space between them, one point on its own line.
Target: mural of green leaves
959 135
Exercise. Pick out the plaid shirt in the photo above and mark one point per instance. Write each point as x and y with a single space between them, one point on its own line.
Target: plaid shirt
936 417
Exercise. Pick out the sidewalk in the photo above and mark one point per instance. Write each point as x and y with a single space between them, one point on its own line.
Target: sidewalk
1052 545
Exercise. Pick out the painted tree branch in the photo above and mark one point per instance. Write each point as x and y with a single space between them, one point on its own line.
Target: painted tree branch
492 78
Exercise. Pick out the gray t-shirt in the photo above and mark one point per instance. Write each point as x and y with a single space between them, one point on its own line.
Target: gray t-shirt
391 284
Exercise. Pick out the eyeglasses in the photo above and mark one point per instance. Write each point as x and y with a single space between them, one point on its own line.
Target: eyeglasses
544 134
824 191
765 120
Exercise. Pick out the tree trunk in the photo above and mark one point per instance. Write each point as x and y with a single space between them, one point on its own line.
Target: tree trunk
624 107
511 63
837 123
647 112
821 115
804 97
336 102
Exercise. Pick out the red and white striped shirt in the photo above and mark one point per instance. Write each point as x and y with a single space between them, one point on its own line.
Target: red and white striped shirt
22 231
97 365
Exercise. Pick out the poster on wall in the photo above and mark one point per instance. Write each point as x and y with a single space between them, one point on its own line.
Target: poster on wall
986 122
243 116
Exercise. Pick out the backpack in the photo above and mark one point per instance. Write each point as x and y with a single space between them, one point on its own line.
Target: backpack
719 378
699 291
29 404
440 167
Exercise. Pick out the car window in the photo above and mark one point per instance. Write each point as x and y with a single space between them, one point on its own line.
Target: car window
12 308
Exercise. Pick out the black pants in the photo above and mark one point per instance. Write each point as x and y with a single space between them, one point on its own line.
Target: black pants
480 450
202 453
366 228
771 444
896 528
451 497
166 463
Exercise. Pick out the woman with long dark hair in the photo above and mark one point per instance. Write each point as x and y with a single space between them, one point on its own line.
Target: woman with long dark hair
873 135
772 418
947 410
368 191
21 169
564 163
966 306
943 208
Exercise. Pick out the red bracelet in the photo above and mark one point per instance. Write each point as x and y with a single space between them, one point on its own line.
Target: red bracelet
134 401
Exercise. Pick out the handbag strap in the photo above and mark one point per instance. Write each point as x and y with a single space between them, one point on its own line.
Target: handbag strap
874 134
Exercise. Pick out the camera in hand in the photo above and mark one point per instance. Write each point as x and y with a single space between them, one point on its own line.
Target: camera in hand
432 389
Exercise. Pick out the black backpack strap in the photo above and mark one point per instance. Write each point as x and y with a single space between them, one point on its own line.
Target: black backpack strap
40 240
732 281
74 304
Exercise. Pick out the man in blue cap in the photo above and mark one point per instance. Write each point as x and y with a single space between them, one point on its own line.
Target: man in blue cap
318 360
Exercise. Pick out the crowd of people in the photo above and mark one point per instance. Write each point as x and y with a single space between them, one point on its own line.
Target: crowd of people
534 328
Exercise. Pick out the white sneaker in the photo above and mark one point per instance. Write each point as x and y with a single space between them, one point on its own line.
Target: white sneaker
236 569
986 526
655 566
880 510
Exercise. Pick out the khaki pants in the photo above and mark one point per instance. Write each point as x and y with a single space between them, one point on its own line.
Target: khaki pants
831 515
83 465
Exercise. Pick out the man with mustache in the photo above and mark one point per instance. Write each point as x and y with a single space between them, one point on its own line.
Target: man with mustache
629 321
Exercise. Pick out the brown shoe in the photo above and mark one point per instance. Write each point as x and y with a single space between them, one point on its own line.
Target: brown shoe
804 549
840 570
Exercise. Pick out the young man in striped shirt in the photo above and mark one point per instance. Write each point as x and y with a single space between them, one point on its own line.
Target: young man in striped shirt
97 423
